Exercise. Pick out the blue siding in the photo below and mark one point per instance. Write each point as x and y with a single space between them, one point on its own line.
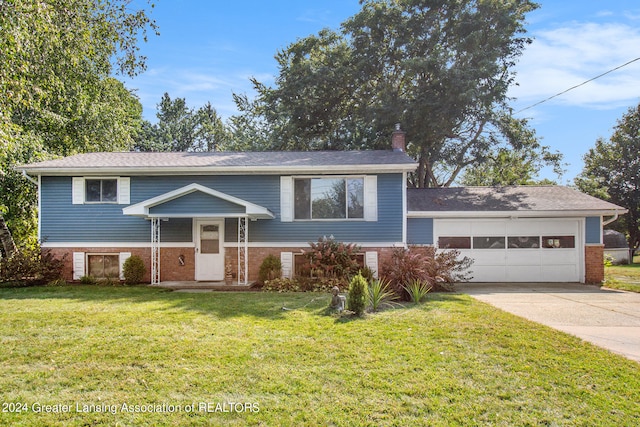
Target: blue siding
64 222
388 228
593 228
420 231
197 202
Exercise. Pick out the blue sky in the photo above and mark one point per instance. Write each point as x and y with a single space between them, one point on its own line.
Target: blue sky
209 49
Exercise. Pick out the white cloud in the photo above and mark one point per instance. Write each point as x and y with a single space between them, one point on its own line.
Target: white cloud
561 58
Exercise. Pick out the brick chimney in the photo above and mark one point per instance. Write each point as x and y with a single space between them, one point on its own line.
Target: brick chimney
398 139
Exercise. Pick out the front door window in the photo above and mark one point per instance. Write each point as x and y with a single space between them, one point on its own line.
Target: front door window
209 239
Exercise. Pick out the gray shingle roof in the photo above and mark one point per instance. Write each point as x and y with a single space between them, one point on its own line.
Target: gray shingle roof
223 161
504 199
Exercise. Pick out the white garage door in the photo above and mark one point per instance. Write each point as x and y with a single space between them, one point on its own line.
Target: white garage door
516 250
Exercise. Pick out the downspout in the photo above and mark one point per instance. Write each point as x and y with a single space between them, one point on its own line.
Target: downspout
37 184
610 220
24 173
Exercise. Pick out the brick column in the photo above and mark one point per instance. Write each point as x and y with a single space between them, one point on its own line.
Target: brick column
594 264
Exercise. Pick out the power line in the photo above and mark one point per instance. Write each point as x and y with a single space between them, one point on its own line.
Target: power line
578 85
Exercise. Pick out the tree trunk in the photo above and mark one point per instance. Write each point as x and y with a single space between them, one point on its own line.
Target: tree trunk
8 245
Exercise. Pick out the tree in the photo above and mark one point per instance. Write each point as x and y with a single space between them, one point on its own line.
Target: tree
57 92
612 172
181 128
441 68
517 163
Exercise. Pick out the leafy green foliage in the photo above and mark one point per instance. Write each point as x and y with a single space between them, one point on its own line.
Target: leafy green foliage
181 128
417 290
30 267
329 258
357 297
612 172
57 93
379 294
440 68
516 164
270 268
133 270
304 284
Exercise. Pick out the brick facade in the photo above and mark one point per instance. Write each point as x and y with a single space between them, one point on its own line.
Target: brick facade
170 266
178 264
594 263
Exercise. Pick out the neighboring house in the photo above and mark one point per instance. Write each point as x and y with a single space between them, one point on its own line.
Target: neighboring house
190 216
515 233
616 247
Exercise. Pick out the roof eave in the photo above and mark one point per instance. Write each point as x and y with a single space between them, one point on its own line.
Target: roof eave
220 170
515 214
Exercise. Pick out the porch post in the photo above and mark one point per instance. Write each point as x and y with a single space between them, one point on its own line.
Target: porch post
155 251
243 238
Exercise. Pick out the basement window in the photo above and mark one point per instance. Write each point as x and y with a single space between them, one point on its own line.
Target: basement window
103 266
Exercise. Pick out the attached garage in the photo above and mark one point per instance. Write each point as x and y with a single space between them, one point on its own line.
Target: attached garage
516 250
516 233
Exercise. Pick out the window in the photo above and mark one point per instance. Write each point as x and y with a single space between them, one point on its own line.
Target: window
103 265
95 190
209 239
524 242
558 242
329 198
101 190
488 243
454 242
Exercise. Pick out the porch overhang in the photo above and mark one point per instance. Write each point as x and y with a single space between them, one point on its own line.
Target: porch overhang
243 208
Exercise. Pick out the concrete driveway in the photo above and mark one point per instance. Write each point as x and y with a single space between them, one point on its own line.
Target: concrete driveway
605 317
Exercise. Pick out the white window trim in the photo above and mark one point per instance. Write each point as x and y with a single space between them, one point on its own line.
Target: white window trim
81 263
78 185
370 194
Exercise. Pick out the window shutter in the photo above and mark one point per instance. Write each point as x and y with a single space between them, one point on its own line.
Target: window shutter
286 260
78 265
286 198
123 257
77 190
371 261
124 192
371 198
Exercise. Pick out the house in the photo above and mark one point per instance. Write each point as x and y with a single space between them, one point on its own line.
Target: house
190 216
515 233
616 247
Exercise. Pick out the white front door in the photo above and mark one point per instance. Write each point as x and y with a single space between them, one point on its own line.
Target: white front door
209 250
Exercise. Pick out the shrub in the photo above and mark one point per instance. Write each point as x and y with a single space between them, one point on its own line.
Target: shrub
380 294
30 267
357 298
88 280
440 270
404 267
133 270
303 284
271 268
417 290
330 258
448 268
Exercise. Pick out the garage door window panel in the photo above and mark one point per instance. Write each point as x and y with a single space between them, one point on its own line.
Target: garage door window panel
523 242
558 242
491 242
454 242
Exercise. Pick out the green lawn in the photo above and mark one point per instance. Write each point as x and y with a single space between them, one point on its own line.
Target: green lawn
451 361
626 277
